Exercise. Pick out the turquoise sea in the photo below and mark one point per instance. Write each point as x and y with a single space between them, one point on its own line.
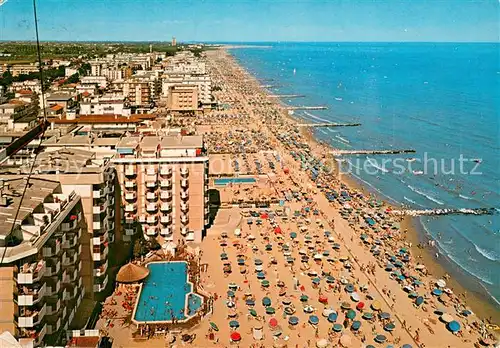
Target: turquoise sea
441 99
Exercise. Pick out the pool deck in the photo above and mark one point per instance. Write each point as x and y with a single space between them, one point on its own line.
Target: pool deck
186 300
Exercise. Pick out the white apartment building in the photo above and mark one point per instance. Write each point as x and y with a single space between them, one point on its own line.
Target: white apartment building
41 268
70 71
105 105
32 85
203 82
99 81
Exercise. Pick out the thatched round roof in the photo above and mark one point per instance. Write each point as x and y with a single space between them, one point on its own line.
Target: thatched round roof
131 273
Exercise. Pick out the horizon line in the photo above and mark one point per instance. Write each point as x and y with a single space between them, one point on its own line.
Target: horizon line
240 42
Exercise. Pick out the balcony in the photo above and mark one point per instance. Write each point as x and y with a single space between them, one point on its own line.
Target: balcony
100 255
100 193
32 337
111 212
31 273
130 231
100 207
130 208
151 231
184 231
151 207
165 207
142 218
30 296
184 172
100 287
130 171
152 220
70 240
52 250
184 183
53 307
129 218
71 276
130 196
166 219
166 231
68 226
185 195
184 219
70 258
165 171
151 196
101 270
111 225
166 184
165 195
30 318
111 188
130 184
111 201
53 286
184 207
100 240
151 184
52 268
151 171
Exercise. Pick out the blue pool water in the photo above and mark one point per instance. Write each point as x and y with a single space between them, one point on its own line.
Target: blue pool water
440 99
163 294
226 181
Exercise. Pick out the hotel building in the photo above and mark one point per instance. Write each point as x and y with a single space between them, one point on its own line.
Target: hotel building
40 265
164 183
183 98
94 180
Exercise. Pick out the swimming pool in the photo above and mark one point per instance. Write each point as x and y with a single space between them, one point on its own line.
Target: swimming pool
167 294
226 181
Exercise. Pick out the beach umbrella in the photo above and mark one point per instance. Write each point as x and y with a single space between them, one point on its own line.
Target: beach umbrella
316 280
326 253
419 300
261 275
360 306
230 293
453 326
232 286
293 235
441 283
356 324
308 309
406 346
289 310
380 338
384 315
265 283
437 292
273 322
286 301
258 262
351 314
332 317
259 268
322 343
376 305
355 297
314 320
223 256
253 313
345 340
131 273
234 324
269 247
345 305
250 302
323 299
293 320
266 301
466 312
389 327
241 262
349 288
214 326
230 304
337 327
446 318
369 346
270 310
330 279
235 336
367 315
304 298
289 259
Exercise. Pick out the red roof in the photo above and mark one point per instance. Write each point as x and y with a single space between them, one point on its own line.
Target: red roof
86 94
56 107
25 91
84 342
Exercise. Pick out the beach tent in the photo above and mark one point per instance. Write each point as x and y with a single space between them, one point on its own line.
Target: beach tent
322 343
131 273
257 333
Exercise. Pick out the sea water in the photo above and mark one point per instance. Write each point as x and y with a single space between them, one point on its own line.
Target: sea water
441 99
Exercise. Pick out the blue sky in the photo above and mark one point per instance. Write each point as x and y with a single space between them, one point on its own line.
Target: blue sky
253 20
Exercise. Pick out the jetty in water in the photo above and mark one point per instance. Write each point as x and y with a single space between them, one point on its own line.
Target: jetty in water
306 107
329 124
286 96
370 152
430 212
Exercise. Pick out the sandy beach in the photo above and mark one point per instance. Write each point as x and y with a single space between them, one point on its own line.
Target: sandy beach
313 269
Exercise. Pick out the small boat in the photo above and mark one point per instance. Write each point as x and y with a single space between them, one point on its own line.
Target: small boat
339 99
411 159
476 160
418 172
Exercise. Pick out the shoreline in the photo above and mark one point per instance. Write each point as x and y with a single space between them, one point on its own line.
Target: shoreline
480 304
